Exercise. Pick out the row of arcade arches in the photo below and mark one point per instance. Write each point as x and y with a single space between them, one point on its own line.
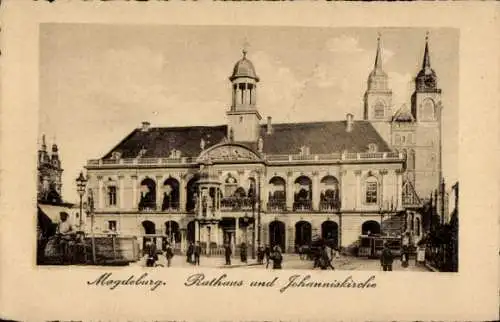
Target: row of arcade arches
302 191
277 233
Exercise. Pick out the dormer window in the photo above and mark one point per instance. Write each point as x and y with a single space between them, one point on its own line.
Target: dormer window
372 148
175 154
141 153
116 155
304 150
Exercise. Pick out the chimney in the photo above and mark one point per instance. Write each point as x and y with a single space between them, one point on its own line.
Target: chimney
269 125
349 122
145 126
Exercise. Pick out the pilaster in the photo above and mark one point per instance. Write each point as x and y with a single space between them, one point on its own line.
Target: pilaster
357 173
315 192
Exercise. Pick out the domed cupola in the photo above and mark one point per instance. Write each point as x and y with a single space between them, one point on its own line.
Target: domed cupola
244 68
243 117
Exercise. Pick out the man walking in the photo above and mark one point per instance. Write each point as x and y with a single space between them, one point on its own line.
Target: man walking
169 253
243 253
197 253
267 253
189 253
276 257
386 258
227 253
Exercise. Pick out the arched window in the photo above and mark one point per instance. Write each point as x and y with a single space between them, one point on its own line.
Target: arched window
230 185
427 112
170 194
379 110
329 196
277 194
148 194
371 192
303 193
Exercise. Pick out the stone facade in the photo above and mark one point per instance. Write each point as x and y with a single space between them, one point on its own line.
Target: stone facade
277 184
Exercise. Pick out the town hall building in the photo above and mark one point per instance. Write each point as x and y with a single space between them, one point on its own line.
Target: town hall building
254 181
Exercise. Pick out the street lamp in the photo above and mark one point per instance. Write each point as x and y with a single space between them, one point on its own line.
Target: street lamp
81 184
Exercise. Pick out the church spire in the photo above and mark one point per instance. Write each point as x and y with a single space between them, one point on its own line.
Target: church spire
378 57
377 80
426 78
426 64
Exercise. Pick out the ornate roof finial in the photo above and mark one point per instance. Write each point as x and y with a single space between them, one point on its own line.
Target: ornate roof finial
44 145
246 44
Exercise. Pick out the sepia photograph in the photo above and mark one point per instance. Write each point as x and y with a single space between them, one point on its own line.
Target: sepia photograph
294 161
248 147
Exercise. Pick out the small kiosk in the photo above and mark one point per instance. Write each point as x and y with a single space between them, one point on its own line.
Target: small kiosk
371 245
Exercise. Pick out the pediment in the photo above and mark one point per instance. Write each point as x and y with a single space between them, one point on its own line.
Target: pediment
228 152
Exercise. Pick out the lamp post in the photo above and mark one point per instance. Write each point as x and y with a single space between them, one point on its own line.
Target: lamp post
91 210
81 183
259 201
381 210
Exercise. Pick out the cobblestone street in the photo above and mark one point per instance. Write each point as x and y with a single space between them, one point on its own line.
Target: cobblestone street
290 261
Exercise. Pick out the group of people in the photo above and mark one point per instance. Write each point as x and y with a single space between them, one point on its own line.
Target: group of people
193 253
152 253
266 253
387 257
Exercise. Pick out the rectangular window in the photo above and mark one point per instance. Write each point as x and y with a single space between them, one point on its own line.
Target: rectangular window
112 225
371 192
112 196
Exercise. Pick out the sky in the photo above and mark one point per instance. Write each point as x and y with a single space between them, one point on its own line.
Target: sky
99 82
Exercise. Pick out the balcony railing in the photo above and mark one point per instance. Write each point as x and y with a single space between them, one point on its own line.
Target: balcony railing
147 206
276 205
235 204
271 158
302 205
172 207
329 205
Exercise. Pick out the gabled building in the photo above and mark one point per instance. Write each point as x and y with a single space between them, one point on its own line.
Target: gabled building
283 183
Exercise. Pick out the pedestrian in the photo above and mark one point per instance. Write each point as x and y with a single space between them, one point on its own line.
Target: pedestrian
243 253
65 237
227 253
169 253
197 253
404 256
267 254
189 253
260 255
276 257
386 258
151 253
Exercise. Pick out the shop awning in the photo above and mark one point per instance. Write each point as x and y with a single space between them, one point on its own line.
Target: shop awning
53 211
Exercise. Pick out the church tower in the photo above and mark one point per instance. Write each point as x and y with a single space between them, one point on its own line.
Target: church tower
378 97
426 111
243 117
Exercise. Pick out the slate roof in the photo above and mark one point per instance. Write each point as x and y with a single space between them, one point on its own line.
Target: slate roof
286 138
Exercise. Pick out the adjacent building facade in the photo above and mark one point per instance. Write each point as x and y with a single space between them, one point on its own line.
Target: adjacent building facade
279 184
